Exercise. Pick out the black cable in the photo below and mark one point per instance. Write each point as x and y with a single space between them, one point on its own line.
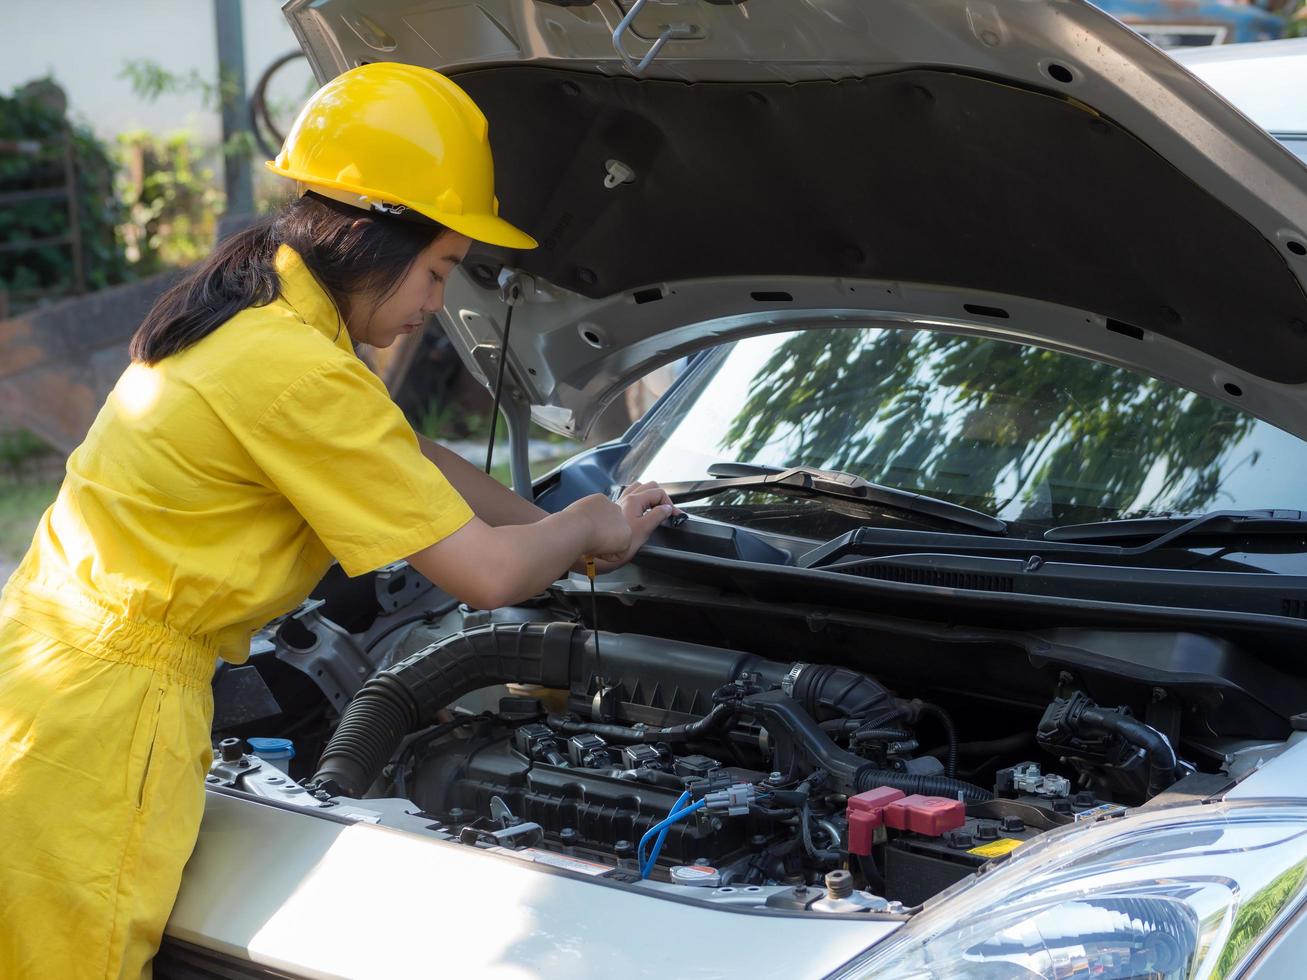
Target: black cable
767 813
814 852
713 723
997 746
880 735
950 734
875 880
499 388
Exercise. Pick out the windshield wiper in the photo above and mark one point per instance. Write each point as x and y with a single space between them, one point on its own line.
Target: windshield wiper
804 481
1164 530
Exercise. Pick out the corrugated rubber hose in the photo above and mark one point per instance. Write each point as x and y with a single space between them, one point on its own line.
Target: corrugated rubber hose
406 697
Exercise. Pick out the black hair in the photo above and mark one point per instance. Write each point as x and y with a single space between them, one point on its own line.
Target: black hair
349 251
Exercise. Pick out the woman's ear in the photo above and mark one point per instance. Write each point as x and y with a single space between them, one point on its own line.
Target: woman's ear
358 223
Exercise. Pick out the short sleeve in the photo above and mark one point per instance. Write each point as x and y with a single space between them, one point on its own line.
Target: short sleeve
337 447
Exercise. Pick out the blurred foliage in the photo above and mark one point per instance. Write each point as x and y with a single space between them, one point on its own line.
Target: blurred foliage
1297 25
966 415
172 190
444 419
35 113
16 448
150 80
172 200
21 507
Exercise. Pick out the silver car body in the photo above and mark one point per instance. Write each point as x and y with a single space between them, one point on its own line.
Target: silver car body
1263 81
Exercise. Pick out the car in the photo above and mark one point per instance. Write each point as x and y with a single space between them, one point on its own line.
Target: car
979 652
1198 24
1262 80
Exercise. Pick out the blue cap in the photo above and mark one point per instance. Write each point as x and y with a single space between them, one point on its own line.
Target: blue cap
273 747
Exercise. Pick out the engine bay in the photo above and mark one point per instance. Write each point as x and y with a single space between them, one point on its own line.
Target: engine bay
864 772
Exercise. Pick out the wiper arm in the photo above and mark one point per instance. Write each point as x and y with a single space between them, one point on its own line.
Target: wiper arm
804 481
1164 530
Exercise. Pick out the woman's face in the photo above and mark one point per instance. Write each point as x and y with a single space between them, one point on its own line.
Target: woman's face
421 291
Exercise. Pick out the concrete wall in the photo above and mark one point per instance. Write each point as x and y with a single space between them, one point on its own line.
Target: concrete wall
58 363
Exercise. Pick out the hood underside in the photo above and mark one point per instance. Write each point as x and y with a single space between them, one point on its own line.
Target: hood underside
1066 184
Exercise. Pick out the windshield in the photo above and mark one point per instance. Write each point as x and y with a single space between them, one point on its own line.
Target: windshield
1029 435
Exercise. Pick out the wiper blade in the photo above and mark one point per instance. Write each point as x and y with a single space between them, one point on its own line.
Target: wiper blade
804 481
1164 530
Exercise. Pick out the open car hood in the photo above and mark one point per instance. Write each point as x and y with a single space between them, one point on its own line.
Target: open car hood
1034 171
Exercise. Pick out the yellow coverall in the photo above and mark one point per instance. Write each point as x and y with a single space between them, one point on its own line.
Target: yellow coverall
209 497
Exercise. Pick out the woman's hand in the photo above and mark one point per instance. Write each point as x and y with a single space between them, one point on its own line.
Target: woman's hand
644 506
610 532
489 566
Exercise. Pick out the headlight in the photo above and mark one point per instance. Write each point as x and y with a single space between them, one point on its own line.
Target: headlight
1182 892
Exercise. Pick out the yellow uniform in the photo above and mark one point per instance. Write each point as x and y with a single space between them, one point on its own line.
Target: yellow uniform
209 497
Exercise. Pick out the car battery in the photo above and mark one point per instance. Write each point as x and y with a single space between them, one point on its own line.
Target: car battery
918 866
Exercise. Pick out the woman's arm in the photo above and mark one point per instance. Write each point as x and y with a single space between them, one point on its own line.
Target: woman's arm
645 505
489 566
489 499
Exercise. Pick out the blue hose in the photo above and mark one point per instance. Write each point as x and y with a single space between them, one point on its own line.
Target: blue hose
653 831
659 831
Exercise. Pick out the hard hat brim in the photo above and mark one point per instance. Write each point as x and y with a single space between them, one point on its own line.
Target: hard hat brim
488 228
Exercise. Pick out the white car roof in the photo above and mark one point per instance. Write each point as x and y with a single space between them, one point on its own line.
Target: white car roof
1265 80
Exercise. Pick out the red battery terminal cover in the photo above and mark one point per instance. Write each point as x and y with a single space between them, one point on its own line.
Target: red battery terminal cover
931 816
865 812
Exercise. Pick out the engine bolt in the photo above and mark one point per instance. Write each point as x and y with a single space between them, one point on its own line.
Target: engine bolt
839 884
229 749
776 778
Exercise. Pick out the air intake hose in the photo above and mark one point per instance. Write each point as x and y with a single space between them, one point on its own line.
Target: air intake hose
835 692
406 697
795 734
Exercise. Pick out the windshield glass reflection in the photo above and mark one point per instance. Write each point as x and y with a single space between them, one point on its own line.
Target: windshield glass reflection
1019 432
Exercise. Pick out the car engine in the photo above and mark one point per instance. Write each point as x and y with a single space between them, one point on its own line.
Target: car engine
672 765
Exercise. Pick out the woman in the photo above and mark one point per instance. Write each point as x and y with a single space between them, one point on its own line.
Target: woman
243 450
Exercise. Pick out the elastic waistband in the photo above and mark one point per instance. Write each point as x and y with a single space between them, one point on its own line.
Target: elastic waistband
70 616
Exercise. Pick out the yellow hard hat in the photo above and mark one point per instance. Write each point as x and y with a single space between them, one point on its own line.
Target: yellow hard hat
391 137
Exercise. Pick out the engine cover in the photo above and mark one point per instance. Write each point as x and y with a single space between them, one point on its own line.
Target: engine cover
597 809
